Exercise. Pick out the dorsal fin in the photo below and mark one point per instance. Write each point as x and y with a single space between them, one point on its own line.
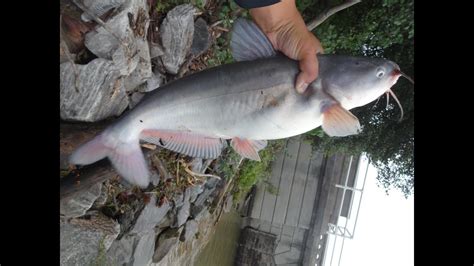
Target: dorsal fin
248 42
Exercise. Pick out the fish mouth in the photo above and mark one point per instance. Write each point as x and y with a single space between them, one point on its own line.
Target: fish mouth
397 73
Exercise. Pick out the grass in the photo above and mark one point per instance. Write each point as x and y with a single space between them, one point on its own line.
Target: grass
101 258
252 172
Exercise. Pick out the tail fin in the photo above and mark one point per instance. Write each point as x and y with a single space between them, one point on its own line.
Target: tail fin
126 157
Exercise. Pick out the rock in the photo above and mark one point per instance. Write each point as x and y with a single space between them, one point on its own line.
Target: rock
166 242
80 203
176 33
211 183
155 50
178 200
150 216
166 222
201 40
155 178
195 191
156 80
121 251
184 211
86 241
135 99
163 249
100 201
228 204
103 44
125 62
71 34
143 70
98 8
202 215
127 47
201 201
206 164
99 93
190 229
196 165
145 249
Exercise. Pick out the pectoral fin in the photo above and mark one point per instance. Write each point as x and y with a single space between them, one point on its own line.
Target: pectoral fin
339 122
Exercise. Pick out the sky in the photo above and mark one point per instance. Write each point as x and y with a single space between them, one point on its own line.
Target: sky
384 233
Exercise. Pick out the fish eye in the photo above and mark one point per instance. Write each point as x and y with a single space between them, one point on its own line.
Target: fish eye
380 72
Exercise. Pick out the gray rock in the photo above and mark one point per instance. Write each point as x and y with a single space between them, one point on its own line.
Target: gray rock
196 210
196 165
178 200
190 229
100 201
129 218
177 36
156 80
201 201
202 215
201 40
79 204
128 49
211 182
164 248
103 44
155 178
135 99
121 251
228 204
166 222
145 249
184 211
195 191
206 164
166 242
99 93
143 70
150 216
98 8
155 50
202 198
124 61
85 241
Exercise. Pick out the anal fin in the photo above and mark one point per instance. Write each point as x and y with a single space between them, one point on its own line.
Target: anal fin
191 144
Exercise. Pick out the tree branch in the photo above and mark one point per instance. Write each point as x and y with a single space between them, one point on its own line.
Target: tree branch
329 12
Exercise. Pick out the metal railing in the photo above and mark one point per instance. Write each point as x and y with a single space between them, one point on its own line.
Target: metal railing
341 229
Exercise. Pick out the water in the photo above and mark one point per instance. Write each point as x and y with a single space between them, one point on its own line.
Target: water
222 247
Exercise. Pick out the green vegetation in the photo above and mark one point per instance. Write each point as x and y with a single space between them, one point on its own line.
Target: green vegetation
252 172
101 258
375 28
220 50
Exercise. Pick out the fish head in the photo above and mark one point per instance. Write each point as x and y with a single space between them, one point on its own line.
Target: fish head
357 81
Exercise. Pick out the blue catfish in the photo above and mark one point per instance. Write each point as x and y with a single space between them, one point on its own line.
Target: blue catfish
249 102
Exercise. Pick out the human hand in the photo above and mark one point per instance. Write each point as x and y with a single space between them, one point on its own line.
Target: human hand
286 30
